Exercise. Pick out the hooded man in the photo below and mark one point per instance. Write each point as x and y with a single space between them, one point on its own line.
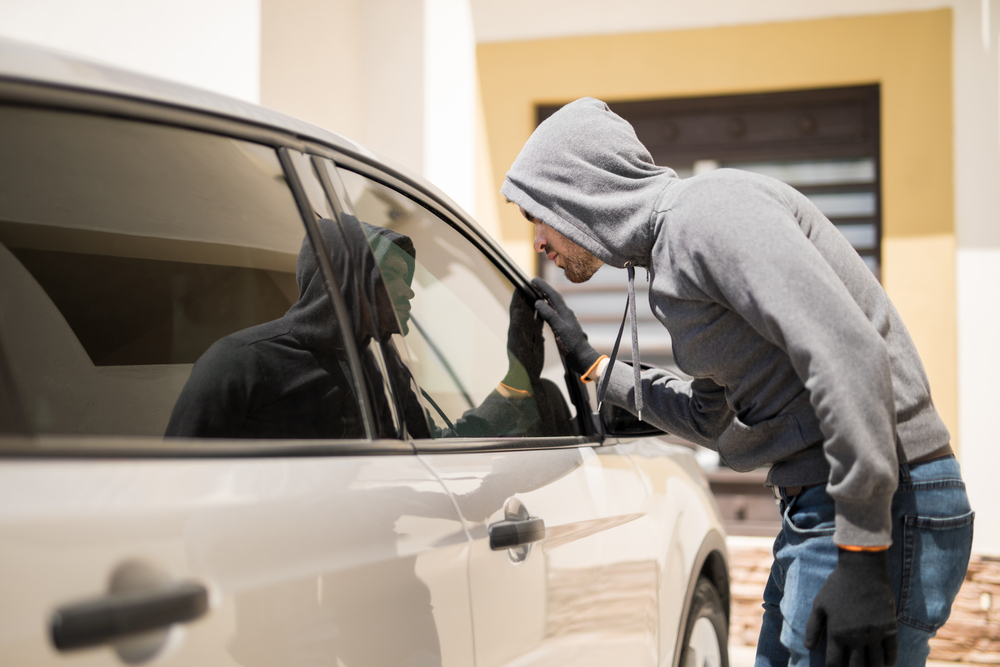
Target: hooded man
799 362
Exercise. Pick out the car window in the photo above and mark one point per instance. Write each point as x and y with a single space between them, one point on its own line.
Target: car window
478 374
132 253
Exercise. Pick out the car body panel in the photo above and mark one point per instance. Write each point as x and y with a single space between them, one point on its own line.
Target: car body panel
295 572
622 538
588 587
681 505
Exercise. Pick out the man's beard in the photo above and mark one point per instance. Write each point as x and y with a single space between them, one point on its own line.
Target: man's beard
580 265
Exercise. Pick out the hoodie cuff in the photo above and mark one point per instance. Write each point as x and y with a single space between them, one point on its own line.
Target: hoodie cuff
595 368
864 524
621 385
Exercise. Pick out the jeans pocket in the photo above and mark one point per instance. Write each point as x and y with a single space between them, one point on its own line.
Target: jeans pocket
810 514
936 554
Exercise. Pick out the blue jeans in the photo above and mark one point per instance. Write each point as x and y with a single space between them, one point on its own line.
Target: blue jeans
931 544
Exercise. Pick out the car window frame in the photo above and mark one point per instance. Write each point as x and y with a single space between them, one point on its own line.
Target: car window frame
591 431
21 441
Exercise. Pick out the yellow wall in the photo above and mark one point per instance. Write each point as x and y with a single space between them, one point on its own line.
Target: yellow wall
908 54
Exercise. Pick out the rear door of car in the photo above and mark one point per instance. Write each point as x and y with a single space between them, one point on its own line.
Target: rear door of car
564 565
133 239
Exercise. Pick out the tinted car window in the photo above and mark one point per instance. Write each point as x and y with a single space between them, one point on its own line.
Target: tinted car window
129 250
455 311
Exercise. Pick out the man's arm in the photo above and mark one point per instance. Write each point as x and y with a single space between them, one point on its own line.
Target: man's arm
695 410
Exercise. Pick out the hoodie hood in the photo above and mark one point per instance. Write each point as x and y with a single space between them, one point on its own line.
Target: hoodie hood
584 173
313 318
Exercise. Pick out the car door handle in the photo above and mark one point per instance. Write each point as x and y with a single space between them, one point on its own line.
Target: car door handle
117 615
516 533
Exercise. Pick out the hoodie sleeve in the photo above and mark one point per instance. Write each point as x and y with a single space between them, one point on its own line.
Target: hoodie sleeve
745 248
695 410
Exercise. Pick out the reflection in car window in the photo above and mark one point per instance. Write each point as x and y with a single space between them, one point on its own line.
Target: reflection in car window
472 342
127 250
287 378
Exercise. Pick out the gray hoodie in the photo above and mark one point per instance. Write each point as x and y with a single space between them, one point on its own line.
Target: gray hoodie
800 360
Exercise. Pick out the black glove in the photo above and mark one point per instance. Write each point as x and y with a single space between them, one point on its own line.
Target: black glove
569 335
525 347
856 607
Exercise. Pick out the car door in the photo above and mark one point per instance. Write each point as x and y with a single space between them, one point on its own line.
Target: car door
147 273
562 568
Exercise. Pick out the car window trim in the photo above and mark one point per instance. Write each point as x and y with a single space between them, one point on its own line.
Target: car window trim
54 445
501 444
333 289
341 206
330 188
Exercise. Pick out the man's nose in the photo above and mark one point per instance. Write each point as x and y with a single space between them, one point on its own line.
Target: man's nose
539 244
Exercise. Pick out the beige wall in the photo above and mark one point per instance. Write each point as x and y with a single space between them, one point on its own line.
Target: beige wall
908 54
311 62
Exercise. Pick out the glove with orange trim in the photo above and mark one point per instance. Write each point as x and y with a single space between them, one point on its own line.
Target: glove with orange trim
856 607
570 336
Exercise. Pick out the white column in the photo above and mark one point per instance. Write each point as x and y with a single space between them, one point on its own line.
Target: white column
450 99
977 216
393 74
979 387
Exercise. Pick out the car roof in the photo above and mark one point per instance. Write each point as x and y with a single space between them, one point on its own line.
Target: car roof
33 64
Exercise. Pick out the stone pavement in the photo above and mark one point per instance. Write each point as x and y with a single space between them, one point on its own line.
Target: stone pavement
742 656
971 636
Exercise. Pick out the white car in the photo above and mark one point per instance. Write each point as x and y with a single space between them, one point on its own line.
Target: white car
367 465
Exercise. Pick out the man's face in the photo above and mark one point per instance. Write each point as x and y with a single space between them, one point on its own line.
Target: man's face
577 262
394 273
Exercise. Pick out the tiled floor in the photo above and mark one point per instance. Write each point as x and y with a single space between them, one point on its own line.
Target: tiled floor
742 656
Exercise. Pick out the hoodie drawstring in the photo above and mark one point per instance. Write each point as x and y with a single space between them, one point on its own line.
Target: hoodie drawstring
636 370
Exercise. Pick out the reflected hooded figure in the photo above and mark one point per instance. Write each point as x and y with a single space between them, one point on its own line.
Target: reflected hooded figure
290 378
396 258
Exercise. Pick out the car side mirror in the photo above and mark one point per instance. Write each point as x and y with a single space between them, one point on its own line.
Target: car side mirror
618 421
